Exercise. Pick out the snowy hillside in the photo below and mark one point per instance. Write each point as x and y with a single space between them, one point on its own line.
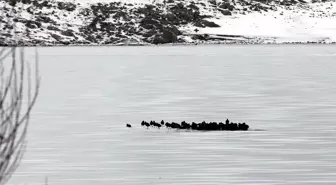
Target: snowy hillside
64 22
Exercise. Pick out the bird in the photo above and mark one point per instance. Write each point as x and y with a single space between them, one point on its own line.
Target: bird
128 125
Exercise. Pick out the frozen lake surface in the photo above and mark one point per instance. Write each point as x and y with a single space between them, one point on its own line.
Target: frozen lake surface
78 136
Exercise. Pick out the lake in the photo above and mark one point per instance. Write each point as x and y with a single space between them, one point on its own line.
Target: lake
78 135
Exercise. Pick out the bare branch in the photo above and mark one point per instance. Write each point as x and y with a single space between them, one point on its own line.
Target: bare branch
18 94
19 87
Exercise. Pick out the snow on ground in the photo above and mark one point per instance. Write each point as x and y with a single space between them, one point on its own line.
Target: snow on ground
315 22
311 22
273 25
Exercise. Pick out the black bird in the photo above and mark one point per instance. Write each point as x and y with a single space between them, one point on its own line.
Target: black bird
128 125
227 121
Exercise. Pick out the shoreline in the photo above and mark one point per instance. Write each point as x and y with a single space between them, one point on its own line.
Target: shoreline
168 44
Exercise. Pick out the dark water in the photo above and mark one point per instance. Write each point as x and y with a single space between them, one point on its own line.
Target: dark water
78 134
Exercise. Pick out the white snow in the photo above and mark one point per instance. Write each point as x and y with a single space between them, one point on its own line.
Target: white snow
273 25
316 23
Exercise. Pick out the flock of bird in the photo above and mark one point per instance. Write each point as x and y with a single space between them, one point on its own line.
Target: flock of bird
197 126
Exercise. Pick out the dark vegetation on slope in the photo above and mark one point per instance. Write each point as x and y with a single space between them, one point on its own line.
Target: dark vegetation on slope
110 23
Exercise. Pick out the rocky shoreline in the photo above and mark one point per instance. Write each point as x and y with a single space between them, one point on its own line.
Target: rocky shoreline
174 22
168 44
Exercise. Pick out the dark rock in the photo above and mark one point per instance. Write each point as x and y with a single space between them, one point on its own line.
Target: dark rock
46 4
149 33
30 10
33 24
132 30
107 27
120 35
68 33
56 37
184 14
8 27
53 28
112 40
181 40
193 7
65 42
99 37
121 14
173 29
200 37
45 19
22 20
213 2
148 10
172 18
258 7
92 27
85 12
149 23
66 6
91 38
201 3
227 6
26 1
204 23
226 12
167 36
12 2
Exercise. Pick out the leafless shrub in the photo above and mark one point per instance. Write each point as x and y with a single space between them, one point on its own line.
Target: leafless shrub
19 87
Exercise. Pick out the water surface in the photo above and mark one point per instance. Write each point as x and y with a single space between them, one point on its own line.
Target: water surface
78 134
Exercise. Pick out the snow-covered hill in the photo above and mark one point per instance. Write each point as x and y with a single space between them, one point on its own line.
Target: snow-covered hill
64 22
